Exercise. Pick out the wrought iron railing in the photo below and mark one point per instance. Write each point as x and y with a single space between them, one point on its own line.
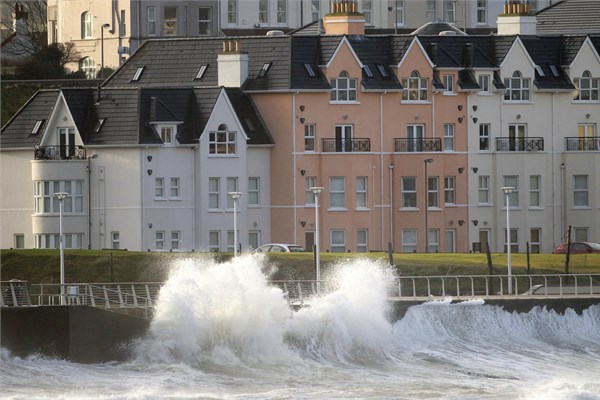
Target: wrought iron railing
520 144
583 144
331 145
59 153
403 145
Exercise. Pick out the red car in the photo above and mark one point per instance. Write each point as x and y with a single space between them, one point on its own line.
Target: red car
578 248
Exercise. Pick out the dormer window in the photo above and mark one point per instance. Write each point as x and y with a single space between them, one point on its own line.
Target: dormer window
448 84
588 87
263 71
222 141
138 74
517 88
201 72
37 126
310 70
343 88
167 134
415 87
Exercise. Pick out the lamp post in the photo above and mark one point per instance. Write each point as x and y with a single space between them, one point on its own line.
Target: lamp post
507 191
104 26
317 190
427 161
61 197
89 194
235 196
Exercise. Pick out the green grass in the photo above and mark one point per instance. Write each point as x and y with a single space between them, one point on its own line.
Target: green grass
43 266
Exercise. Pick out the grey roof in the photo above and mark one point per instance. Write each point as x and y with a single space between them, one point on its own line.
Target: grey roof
436 27
460 51
570 16
249 117
546 54
17 131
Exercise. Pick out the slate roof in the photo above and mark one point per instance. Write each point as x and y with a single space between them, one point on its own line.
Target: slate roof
436 27
249 117
570 16
546 54
460 51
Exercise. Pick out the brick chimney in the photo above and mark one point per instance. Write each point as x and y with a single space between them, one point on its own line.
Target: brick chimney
516 19
232 65
344 19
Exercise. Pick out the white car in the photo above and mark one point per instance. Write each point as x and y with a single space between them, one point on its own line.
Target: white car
279 248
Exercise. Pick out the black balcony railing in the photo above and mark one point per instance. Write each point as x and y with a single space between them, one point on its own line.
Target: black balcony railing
331 145
583 144
417 145
520 144
59 153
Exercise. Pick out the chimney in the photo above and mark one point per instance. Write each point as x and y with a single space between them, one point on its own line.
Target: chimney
517 19
433 53
468 55
344 19
232 65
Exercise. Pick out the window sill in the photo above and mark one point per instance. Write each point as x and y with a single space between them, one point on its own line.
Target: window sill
536 208
486 94
518 102
585 101
485 205
581 208
215 210
434 209
176 199
448 94
344 102
337 209
409 209
362 209
415 102
160 199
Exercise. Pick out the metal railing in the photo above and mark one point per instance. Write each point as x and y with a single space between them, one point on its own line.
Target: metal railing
583 144
59 153
353 145
14 293
410 145
520 144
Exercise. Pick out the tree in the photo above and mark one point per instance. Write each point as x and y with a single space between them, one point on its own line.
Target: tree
48 63
29 23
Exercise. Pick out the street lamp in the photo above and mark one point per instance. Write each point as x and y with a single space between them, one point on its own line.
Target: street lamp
235 196
102 49
61 197
317 190
507 191
427 161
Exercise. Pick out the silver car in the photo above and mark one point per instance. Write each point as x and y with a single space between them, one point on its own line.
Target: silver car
279 248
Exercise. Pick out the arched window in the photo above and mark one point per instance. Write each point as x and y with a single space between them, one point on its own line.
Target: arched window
589 87
86 25
343 88
222 141
415 87
517 87
88 66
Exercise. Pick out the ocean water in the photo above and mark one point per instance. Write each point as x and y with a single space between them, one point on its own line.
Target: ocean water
221 332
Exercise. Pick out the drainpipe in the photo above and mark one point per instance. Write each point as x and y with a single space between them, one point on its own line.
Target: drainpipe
381 166
391 168
294 178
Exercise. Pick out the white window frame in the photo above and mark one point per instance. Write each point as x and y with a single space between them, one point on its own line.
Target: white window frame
232 12
518 88
588 88
253 191
175 189
337 241
214 195
151 13
310 137
167 134
45 201
514 240
581 191
484 136
362 240
484 83
431 10
222 142
449 13
337 195
344 135
535 192
482 12
232 186
88 66
448 137
52 241
409 195
309 182
513 197
282 11
175 240
315 8
214 241
449 190
263 12
254 239
433 242
361 193
433 185
367 11
159 188
87 31
483 189
344 89
415 133
19 240
169 25
205 24
581 234
399 13
159 240
535 240
409 240
448 81
115 240
416 89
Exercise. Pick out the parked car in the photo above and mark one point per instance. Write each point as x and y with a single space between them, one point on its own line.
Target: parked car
578 248
279 247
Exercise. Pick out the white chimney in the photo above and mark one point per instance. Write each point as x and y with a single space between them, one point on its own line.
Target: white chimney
516 19
232 65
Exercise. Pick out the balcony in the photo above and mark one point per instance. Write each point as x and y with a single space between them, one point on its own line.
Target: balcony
332 145
583 144
59 153
520 144
417 145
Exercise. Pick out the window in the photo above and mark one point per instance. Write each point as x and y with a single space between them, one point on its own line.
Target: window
254 239
535 240
170 21
399 12
588 87
151 21
512 181
232 186
361 192
281 11
433 240
230 241
409 192
263 71
415 88
122 24
204 21
175 240
448 137
201 72
431 12
361 241
449 11
448 84
309 182
554 70
66 140
338 241
310 70
517 88
47 203
533 6
581 234
586 137
484 137
368 71
367 10
484 189
414 137
159 188
516 137
449 190
159 240
213 194
481 12
539 70
52 241
580 191
175 188
310 133
37 126
432 191
343 88
19 241
86 25
409 240
534 191
315 8
383 71
232 11
337 195
88 66
115 240
514 241
450 240
343 138
222 141
484 84
263 11
253 191
138 74
166 134
214 241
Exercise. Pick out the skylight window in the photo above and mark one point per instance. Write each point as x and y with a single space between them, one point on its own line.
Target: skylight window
201 72
138 74
99 125
310 70
383 71
250 125
554 70
37 126
265 68
368 71
539 70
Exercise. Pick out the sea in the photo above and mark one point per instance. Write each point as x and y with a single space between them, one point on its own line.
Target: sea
221 331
